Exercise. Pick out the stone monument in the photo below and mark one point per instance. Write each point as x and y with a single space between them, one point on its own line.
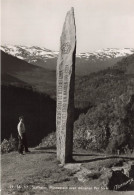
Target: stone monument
65 89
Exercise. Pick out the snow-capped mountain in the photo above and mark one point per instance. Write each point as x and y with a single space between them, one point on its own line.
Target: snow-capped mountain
29 53
85 62
107 53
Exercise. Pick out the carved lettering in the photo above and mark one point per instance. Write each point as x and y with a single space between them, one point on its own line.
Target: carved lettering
65 87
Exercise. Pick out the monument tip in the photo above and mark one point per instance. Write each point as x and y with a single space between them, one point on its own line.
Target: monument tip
72 9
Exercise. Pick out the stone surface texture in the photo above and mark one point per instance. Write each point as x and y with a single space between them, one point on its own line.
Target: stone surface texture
65 89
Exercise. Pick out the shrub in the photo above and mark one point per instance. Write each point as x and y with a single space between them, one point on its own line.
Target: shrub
49 141
9 145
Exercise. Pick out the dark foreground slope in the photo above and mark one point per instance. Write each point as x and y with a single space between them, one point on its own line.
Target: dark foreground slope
38 110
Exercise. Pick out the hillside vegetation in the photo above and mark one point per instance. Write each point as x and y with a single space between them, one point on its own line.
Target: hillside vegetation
109 123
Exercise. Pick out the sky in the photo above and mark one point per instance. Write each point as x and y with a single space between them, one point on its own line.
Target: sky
99 23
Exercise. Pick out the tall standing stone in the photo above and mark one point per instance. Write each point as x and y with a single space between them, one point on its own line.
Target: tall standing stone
65 89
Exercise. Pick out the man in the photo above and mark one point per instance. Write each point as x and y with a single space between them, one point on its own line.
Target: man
22 136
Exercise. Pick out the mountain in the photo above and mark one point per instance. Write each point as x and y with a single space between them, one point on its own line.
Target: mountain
34 55
126 65
19 72
99 86
85 62
93 62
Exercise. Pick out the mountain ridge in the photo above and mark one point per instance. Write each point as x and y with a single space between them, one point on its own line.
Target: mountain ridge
114 52
19 72
86 62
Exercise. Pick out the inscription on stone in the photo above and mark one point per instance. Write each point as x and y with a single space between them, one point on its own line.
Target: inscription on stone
65 89
62 105
65 48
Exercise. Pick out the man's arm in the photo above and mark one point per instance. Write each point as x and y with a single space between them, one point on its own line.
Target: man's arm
20 130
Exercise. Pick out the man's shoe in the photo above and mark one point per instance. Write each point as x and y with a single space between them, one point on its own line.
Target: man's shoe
21 153
27 151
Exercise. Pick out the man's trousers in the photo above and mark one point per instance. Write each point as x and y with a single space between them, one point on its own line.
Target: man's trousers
22 143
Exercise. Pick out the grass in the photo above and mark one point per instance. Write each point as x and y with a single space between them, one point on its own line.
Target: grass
39 168
39 172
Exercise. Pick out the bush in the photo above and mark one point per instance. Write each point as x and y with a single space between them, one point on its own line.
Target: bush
9 145
49 141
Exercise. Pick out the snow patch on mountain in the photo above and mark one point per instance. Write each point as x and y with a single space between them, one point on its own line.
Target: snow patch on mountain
107 53
31 51
34 53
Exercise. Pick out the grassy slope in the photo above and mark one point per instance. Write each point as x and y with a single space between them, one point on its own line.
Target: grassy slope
40 168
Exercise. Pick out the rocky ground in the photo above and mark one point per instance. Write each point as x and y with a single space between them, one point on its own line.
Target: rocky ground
91 173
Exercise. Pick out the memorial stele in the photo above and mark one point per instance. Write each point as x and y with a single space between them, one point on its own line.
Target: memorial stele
65 89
